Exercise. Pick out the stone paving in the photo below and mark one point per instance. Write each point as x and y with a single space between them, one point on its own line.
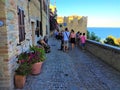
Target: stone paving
75 70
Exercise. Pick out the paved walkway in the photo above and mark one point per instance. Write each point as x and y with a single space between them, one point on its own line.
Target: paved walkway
75 70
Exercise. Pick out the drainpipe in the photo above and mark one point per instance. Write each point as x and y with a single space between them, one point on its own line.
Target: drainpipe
41 32
48 17
28 11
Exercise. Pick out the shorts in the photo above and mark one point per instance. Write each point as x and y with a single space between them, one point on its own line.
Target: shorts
83 44
73 40
66 43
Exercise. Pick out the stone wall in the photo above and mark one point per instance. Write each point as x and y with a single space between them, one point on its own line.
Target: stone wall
46 26
4 72
34 15
77 23
10 46
109 54
13 35
45 23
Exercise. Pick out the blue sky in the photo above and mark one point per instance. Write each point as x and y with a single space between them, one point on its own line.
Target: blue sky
101 13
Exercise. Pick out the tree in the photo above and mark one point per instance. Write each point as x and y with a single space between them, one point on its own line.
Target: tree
112 41
109 41
88 34
118 40
92 36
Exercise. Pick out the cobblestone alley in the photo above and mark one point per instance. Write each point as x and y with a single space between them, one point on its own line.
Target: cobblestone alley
75 70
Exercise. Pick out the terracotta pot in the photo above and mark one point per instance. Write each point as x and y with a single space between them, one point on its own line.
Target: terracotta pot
19 81
36 68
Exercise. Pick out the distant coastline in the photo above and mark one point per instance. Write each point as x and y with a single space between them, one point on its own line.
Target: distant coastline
103 27
103 32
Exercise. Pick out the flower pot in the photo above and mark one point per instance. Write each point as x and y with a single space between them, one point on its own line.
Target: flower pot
36 68
19 81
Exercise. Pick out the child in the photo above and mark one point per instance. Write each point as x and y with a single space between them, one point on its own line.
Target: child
83 41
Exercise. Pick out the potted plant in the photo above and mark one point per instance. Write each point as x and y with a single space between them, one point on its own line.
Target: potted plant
23 57
36 57
24 68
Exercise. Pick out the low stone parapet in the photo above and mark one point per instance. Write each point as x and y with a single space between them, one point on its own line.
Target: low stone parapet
107 53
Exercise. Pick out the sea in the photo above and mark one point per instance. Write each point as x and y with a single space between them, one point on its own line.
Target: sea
104 32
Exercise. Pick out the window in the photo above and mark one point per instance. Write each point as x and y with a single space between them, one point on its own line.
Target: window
41 32
21 24
37 28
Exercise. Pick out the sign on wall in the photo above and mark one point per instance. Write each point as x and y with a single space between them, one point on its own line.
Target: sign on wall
1 23
65 24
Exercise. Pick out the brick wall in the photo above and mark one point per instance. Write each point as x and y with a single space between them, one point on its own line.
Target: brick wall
9 36
4 74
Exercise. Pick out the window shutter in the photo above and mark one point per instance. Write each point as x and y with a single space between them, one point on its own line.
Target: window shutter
21 25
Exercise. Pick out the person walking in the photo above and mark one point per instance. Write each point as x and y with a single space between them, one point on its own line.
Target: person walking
77 38
66 35
61 39
72 38
83 41
80 39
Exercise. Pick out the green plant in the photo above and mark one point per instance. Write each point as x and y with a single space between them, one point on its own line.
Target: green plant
25 60
92 36
110 41
37 54
23 57
23 69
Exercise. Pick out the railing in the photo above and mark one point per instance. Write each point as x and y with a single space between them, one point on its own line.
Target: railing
107 53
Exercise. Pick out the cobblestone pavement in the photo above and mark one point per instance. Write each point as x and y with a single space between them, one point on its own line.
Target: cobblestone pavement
75 70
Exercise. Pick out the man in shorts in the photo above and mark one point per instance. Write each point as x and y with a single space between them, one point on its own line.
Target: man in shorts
66 35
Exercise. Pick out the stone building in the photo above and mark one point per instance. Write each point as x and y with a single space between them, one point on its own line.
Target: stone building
22 22
77 23
53 18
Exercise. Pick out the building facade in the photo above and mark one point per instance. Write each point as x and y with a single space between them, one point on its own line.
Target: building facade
22 22
77 23
53 18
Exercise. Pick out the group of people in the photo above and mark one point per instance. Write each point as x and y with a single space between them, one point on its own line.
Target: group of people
67 37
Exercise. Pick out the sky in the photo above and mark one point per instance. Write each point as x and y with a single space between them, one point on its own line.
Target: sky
100 13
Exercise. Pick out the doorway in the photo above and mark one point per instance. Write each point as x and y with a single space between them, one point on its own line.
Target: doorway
33 32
